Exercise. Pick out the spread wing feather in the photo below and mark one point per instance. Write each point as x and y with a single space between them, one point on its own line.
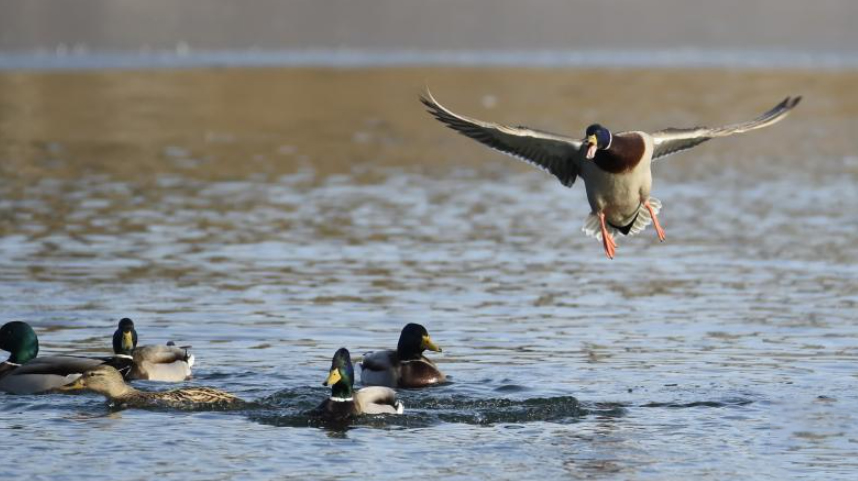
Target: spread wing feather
670 141
550 152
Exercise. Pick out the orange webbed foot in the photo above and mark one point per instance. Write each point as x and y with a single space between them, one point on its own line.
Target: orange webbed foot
608 241
655 223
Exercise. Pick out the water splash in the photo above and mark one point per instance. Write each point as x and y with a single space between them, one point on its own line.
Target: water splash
291 407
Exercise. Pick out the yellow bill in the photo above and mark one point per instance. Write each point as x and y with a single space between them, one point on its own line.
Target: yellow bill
592 145
333 378
77 385
127 341
429 345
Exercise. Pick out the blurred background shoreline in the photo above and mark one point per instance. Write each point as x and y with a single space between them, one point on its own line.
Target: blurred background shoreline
182 57
95 34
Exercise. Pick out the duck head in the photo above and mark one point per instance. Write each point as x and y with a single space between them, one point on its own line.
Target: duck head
598 138
341 376
20 340
104 380
125 337
413 340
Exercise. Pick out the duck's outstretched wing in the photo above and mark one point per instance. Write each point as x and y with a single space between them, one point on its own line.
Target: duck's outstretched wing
550 152
671 141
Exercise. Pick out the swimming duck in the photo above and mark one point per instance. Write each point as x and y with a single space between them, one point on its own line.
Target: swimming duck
345 402
615 167
24 373
406 366
107 381
154 363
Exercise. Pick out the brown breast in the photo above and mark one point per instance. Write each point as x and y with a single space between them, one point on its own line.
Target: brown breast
335 411
625 153
419 373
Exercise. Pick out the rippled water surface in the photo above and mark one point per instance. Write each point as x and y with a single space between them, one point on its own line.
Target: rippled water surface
269 217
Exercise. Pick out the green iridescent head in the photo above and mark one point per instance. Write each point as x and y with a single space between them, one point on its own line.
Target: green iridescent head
341 377
19 339
125 337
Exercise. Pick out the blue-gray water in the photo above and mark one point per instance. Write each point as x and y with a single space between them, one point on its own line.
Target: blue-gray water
269 217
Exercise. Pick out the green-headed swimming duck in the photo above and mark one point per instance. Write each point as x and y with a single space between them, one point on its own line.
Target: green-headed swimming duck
406 366
345 402
154 363
24 373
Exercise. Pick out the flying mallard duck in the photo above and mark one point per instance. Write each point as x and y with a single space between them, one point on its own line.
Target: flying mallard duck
24 373
406 366
107 381
154 363
345 402
615 167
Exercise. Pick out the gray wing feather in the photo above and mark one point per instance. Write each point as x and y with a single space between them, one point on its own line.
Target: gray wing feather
377 361
163 363
550 152
158 354
671 141
59 365
46 373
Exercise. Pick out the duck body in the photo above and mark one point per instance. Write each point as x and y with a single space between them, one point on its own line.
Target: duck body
368 400
152 362
45 374
178 398
25 373
156 363
386 368
406 366
618 181
615 168
345 403
107 381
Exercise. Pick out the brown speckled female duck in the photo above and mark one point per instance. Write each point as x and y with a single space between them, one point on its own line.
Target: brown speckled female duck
107 381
